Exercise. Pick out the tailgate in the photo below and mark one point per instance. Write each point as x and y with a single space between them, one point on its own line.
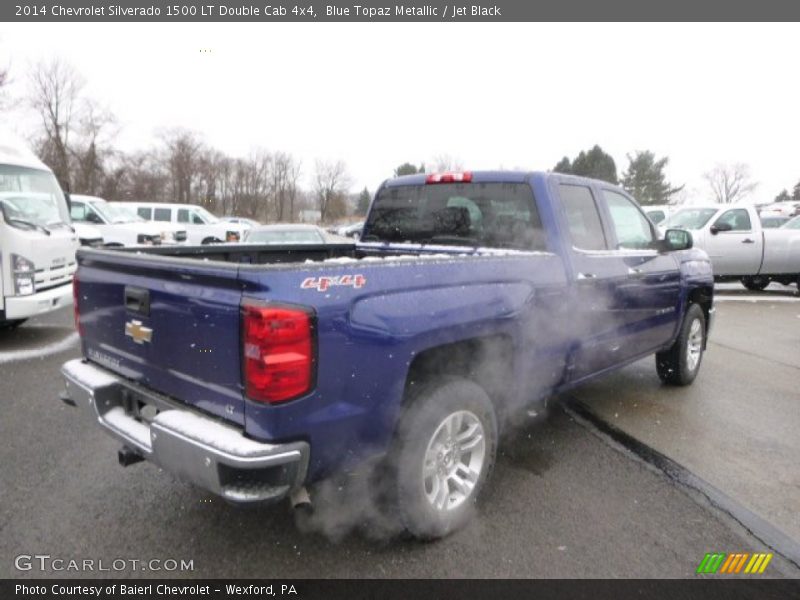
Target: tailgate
171 326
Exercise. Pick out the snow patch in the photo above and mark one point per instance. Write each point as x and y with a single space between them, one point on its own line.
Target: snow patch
54 348
88 375
211 433
138 432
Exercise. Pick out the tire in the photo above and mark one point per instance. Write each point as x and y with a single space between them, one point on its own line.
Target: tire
436 484
756 283
211 240
680 364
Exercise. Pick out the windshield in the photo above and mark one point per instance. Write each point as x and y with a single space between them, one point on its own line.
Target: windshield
205 215
793 224
114 213
689 218
501 215
31 198
287 236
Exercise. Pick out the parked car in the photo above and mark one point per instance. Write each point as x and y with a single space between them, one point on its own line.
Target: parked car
739 247
201 226
88 235
658 212
118 224
352 231
792 224
286 233
255 370
241 221
780 209
773 222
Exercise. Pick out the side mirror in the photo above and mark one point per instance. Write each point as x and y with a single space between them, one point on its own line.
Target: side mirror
677 239
717 227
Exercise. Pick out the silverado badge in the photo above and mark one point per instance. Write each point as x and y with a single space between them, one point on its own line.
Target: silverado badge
137 332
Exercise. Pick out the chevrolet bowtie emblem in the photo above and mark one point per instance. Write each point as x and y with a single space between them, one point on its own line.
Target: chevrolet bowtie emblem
137 332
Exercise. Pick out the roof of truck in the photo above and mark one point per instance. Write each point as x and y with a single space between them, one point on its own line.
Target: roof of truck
14 151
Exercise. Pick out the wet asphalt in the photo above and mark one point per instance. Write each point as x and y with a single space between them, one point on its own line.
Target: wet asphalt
564 501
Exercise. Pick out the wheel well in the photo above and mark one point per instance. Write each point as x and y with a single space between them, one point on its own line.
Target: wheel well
488 361
703 297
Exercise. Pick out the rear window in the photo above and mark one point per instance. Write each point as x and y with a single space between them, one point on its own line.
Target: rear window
499 215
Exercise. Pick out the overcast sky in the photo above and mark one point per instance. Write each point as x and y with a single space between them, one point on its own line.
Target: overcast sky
492 95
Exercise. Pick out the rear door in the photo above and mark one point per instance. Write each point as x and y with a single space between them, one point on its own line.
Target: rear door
597 312
652 290
738 251
171 326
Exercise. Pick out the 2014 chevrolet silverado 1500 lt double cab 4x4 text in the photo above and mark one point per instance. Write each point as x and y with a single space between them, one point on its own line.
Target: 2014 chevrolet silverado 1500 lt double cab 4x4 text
254 371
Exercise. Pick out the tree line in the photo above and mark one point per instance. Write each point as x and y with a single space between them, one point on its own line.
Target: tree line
75 138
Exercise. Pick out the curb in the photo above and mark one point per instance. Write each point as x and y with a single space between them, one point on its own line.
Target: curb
763 530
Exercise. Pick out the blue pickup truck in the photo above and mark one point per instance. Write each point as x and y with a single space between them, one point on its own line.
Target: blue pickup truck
254 371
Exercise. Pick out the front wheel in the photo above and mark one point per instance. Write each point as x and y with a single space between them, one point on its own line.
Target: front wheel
679 365
756 283
444 453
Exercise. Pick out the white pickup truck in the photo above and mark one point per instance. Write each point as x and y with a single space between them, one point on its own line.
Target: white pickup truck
739 247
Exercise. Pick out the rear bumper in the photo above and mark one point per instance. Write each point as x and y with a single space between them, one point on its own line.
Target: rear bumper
22 307
193 446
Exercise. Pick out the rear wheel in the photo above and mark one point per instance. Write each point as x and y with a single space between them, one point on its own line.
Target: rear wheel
756 283
444 453
211 240
680 364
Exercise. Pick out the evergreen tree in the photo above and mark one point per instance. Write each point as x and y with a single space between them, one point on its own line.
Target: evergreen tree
364 199
595 164
645 179
407 169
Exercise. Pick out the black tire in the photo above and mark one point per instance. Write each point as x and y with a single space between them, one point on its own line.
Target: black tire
674 366
12 324
756 283
423 429
211 240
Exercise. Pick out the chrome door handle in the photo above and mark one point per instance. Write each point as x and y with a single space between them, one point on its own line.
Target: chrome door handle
748 241
587 276
634 272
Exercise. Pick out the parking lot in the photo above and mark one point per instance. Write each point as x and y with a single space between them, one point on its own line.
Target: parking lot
566 500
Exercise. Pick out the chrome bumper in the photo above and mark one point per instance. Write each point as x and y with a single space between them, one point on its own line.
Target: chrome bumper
193 446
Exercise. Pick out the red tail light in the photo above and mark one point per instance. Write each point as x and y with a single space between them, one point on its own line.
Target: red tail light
278 352
75 309
463 177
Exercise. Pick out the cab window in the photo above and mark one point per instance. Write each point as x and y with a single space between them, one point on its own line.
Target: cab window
583 217
738 219
183 215
632 228
145 212
162 214
77 211
197 219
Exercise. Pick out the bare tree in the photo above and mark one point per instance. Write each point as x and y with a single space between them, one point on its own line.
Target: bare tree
331 183
283 187
730 183
92 148
55 87
446 162
183 162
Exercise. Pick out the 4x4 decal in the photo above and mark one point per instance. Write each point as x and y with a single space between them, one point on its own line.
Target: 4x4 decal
322 284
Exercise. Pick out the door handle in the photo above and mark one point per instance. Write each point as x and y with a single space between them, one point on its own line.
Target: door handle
587 276
748 241
634 272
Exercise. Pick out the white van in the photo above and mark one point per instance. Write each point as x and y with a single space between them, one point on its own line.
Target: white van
120 225
37 241
201 226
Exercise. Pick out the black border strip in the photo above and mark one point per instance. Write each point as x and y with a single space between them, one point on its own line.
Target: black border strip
765 531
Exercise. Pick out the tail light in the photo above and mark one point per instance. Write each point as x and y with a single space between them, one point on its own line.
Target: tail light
278 352
463 177
75 309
